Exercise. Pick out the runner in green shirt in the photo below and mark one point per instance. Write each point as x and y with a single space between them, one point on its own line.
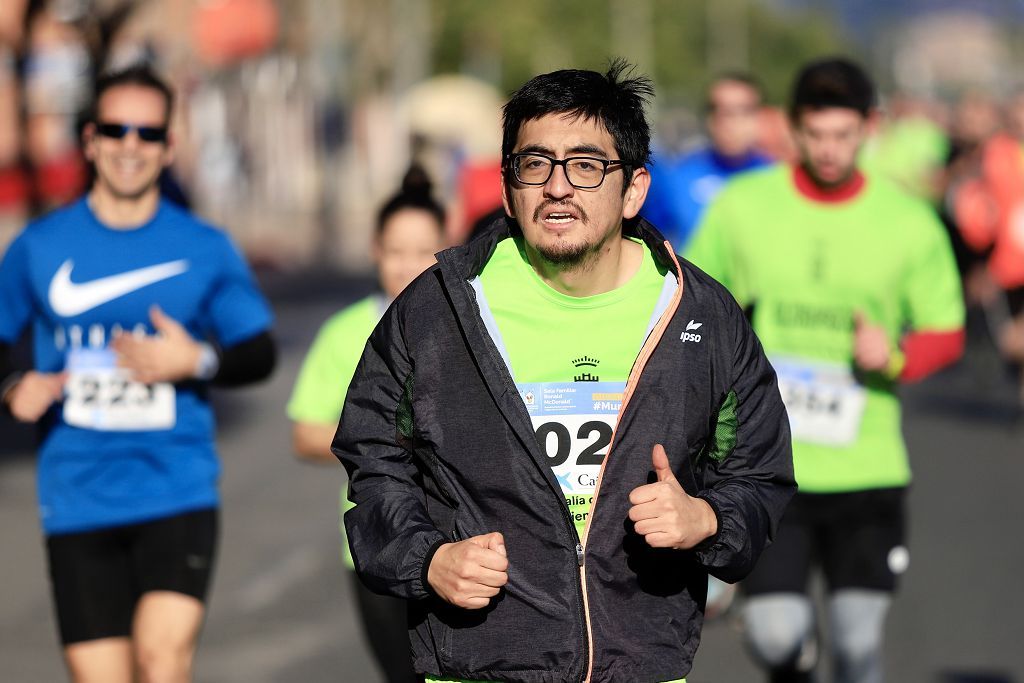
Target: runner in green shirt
410 228
574 390
852 288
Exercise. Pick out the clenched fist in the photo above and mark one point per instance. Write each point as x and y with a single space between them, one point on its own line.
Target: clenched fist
34 393
471 572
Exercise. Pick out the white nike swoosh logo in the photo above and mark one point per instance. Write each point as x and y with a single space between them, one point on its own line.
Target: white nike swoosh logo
68 298
692 325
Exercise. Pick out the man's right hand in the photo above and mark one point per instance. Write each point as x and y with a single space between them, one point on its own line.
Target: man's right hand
33 395
471 572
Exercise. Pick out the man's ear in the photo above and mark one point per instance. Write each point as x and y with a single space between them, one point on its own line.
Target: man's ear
169 149
636 192
506 193
872 122
89 141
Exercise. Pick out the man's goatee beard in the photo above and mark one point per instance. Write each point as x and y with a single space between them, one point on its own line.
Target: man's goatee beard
572 255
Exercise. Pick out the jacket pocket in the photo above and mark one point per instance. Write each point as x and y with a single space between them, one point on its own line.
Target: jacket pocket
431 637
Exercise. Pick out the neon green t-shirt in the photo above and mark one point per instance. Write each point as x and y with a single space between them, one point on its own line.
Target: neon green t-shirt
327 370
570 358
806 267
909 152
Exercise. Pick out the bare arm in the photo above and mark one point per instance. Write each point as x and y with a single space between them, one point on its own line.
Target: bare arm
311 442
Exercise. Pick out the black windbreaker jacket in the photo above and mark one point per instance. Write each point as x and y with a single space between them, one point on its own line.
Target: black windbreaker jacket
439 447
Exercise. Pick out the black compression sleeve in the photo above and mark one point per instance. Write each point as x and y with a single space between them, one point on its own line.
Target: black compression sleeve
9 374
246 362
6 364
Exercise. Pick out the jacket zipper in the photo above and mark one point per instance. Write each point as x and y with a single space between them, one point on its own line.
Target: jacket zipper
634 378
567 517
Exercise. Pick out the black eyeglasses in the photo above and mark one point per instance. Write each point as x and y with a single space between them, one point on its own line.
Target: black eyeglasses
116 131
584 173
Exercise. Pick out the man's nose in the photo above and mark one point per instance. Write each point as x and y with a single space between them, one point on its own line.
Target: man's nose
131 139
558 185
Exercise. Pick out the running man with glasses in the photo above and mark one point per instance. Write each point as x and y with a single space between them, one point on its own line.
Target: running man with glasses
559 430
136 307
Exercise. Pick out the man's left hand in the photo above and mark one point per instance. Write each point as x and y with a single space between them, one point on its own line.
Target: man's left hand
871 348
665 515
171 355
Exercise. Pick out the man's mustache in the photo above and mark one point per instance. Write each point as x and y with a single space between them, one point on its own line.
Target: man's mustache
573 206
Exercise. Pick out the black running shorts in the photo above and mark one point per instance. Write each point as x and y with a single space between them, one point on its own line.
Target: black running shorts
858 540
97 577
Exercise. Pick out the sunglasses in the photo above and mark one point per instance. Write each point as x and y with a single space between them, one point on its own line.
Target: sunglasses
116 131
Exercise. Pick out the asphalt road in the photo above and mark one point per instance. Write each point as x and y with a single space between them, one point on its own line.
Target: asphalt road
282 607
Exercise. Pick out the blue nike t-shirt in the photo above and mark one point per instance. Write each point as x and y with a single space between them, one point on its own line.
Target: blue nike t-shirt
116 451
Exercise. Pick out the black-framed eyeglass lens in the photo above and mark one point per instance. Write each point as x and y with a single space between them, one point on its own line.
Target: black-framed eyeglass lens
584 173
116 131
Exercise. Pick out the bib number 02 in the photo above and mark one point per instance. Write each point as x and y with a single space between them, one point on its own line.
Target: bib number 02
574 447
558 443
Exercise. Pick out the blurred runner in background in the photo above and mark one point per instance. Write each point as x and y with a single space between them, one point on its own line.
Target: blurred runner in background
410 230
682 188
852 289
989 210
136 307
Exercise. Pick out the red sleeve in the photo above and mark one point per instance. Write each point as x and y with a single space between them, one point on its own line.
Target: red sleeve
928 352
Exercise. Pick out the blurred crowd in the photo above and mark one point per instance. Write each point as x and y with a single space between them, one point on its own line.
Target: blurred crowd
261 144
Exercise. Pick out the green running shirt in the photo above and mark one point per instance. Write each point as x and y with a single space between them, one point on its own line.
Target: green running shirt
805 268
327 370
330 363
570 358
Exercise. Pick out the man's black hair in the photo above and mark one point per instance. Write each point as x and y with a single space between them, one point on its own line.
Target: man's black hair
615 99
140 75
743 77
832 82
414 194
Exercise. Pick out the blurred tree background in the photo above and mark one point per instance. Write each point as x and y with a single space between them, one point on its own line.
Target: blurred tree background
680 44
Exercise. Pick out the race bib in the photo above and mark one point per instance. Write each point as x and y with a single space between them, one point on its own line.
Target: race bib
573 422
102 396
824 401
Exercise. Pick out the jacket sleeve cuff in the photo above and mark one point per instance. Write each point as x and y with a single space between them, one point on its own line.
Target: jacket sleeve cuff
427 559
711 540
727 554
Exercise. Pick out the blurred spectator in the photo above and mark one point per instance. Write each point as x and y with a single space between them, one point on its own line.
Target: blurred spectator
776 138
229 31
682 188
989 211
57 75
910 147
453 122
14 183
975 118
